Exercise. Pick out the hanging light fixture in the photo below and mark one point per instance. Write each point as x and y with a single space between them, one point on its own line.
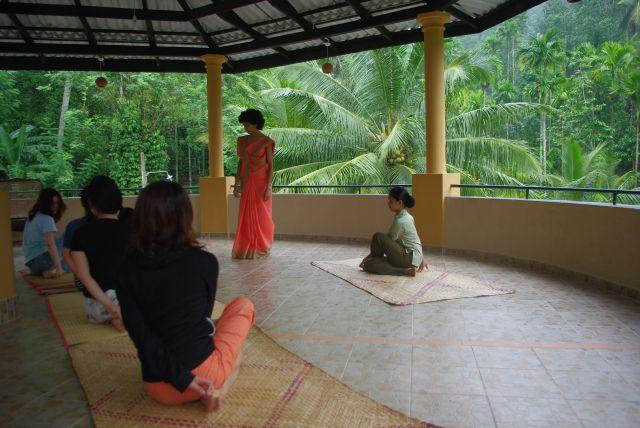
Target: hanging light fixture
327 67
101 81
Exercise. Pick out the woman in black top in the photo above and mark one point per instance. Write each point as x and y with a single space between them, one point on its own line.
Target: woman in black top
167 289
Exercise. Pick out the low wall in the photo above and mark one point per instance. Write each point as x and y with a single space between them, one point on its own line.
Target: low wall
602 241
339 216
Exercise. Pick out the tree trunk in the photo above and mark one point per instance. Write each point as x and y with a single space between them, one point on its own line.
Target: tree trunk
143 170
189 154
637 146
121 86
63 109
543 141
177 150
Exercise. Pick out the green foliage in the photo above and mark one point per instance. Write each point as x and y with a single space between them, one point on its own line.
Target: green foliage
549 97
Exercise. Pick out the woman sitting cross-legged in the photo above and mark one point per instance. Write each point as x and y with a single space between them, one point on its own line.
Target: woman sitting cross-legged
398 252
98 250
167 289
41 252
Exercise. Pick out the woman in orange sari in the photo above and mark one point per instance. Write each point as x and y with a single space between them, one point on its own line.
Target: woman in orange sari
254 234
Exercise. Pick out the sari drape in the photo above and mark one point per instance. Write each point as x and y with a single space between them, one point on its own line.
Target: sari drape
254 234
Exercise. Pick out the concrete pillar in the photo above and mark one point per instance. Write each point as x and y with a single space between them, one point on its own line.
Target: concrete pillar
431 188
214 190
213 65
8 294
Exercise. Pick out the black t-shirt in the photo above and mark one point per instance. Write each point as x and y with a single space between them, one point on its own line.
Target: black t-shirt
166 304
104 242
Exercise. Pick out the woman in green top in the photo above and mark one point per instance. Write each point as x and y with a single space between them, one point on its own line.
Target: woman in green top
398 252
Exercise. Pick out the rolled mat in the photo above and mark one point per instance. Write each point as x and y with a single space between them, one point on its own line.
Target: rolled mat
62 284
427 286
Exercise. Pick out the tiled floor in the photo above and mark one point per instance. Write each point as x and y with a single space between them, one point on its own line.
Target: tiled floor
556 353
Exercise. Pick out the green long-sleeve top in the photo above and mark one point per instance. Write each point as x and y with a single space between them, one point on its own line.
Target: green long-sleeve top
403 231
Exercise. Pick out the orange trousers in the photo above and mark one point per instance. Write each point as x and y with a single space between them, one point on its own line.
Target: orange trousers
231 330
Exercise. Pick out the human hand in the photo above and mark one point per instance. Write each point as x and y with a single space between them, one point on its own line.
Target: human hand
267 193
58 272
236 191
423 266
201 386
114 310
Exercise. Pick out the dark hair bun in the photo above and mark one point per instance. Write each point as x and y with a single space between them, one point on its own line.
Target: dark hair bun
409 201
400 194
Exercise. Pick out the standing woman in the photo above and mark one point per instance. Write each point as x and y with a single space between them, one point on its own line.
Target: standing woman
41 252
398 252
254 234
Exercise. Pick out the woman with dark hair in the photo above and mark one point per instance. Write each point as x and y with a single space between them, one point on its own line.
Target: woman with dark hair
71 228
167 289
98 250
254 234
41 252
398 252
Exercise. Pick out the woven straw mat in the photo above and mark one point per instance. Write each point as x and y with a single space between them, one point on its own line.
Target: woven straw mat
426 286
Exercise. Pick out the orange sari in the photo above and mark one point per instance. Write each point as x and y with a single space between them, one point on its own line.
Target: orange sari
254 234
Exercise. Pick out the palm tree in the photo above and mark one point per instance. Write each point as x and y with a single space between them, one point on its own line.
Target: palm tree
594 169
632 16
540 58
15 148
366 125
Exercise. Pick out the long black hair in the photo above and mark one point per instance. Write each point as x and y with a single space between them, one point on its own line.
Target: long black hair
400 194
44 204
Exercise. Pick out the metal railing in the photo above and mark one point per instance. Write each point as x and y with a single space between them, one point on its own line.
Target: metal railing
359 187
527 190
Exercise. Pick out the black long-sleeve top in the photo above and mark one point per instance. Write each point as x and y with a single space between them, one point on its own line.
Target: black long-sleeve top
166 302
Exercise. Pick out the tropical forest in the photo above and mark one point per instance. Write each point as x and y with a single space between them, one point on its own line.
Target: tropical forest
549 98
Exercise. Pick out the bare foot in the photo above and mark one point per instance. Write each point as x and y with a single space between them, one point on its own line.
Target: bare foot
411 271
118 324
212 402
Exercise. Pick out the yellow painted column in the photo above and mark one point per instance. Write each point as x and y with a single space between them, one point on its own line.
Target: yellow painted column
7 272
431 189
215 189
213 65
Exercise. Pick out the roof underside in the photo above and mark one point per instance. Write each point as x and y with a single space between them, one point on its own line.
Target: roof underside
168 35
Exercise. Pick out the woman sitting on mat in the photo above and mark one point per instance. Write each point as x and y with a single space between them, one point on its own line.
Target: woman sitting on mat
98 249
71 228
41 251
167 289
398 252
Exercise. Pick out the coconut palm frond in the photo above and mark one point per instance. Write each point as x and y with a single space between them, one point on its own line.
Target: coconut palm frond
513 155
483 120
322 110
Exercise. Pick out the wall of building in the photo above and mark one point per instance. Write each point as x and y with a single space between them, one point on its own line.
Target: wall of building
599 240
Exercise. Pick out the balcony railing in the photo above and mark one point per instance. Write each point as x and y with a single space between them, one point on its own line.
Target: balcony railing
529 192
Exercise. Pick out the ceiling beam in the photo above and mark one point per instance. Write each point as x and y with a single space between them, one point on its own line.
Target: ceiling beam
506 11
364 15
462 16
150 32
287 8
234 19
86 28
453 29
334 30
195 65
196 24
121 12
